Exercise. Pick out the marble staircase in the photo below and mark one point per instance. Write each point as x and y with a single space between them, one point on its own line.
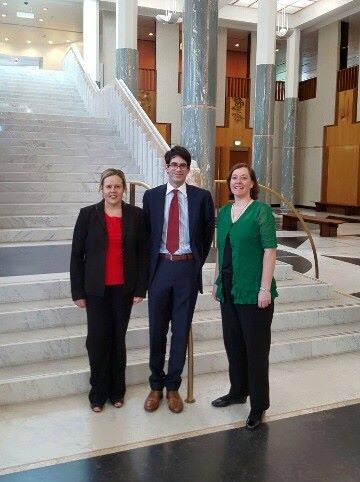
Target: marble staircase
42 337
51 155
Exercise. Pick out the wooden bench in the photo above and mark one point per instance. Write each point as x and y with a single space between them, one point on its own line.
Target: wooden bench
328 227
338 208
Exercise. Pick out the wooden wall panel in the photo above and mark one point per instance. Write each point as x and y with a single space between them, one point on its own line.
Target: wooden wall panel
236 64
147 54
341 154
343 174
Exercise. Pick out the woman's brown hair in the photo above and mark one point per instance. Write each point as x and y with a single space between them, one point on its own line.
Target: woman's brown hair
112 172
254 192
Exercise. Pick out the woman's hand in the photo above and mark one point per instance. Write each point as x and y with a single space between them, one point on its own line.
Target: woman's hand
137 299
264 299
80 303
214 292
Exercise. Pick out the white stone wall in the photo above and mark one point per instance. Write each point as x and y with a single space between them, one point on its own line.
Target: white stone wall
168 100
107 45
52 56
313 115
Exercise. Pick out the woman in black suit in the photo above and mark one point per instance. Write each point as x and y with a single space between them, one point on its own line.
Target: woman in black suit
108 273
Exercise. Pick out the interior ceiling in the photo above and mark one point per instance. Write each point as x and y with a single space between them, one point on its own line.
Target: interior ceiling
63 21
292 6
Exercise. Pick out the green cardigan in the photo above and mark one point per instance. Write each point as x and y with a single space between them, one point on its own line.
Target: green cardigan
249 236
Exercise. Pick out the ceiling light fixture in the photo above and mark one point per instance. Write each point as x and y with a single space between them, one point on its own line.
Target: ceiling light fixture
68 41
50 42
6 39
41 19
151 34
28 41
29 15
5 4
282 28
237 45
3 14
171 14
45 9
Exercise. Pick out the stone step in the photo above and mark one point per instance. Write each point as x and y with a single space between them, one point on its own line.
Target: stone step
296 289
54 178
76 168
101 145
37 208
51 197
54 378
11 84
63 342
50 120
23 138
22 94
44 187
37 221
49 313
5 107
40 98
93 150
36 315
90 159
30 235
57 131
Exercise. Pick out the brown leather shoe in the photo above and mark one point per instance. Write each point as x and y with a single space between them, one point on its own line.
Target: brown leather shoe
175 402
152 401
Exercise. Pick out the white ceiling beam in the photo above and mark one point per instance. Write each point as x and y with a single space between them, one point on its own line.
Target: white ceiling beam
323 12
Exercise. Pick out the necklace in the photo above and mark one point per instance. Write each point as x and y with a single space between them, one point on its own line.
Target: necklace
237 210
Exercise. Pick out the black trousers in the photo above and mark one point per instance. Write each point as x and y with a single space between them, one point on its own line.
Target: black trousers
247 339
172 297
108 319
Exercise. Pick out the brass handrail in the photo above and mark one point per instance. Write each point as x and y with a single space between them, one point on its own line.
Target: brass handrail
297 214
190 348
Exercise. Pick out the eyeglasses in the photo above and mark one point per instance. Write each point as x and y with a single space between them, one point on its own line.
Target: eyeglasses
175 165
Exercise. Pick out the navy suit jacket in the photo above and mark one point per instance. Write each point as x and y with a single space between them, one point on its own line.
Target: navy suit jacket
201 224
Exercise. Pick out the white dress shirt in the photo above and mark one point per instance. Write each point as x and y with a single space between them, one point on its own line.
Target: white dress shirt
184 236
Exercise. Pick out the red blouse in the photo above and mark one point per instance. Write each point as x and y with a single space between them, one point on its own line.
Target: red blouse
114 266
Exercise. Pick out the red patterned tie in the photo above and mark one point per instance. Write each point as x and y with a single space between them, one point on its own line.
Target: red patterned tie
172 238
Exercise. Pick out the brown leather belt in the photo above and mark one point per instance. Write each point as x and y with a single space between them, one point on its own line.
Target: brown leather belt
177 257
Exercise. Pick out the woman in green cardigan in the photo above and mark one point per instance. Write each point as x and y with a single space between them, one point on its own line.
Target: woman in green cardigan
245 287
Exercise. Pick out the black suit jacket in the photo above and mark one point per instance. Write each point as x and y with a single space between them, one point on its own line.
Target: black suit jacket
87 265
201 224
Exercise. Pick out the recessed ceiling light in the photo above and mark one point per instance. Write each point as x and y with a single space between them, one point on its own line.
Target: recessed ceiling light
4 3
25 15
68 41
3 14
151 34
28 41
45 9
41 19
237 45
50 42
6 39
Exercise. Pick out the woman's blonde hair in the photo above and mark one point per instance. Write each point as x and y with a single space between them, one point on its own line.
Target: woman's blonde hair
112 172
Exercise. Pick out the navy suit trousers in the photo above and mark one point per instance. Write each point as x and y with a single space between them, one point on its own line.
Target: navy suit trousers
172 297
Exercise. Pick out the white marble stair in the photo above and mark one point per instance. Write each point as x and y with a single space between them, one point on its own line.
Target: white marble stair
50 156
42 338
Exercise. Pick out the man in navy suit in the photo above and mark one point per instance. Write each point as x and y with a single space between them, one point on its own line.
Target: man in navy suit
181 225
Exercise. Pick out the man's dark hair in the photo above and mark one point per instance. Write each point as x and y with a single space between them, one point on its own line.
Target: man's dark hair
178 151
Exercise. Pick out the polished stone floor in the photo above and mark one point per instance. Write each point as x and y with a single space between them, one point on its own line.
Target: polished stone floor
321 446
